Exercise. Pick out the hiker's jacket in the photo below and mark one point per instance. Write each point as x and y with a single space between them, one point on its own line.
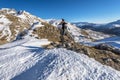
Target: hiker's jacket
63 23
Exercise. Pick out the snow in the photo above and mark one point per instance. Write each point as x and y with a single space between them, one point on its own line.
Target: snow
76 34
4 27
36 42
26 60
113 41
3 22
22 16
36 25
32 17
8 10
116 25
97 35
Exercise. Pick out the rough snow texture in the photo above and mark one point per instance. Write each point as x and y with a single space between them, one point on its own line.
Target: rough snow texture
25 60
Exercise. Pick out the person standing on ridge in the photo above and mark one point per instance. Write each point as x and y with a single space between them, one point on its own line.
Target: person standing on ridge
63 30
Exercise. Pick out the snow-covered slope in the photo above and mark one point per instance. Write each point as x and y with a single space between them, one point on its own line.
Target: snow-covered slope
26 60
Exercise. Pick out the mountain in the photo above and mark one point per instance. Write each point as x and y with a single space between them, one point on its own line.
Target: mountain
32 50
109 28
80 24
14 22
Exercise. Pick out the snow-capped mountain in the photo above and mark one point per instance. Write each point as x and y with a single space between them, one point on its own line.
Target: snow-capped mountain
14 22
109 28
80 24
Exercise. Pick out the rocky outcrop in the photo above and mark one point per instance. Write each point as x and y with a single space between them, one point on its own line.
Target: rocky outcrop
108 48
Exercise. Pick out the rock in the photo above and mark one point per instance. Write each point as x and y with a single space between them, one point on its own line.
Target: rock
106 59
108 48
86 51
104 47
116 60
117 51
50 47
67 45
59 46
57 43
37 37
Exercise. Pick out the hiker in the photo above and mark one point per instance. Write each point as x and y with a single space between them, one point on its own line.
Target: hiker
63 29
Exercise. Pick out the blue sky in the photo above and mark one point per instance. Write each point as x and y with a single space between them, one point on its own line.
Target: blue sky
97 11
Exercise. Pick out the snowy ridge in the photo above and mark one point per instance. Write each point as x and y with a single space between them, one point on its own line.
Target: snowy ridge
27 61
109 28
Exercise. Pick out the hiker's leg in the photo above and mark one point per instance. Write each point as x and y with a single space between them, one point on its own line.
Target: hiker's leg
62 36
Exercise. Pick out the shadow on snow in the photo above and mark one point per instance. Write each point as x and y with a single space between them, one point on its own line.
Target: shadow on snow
41 69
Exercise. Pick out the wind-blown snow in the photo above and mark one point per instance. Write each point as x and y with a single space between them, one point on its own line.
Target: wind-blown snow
26 60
